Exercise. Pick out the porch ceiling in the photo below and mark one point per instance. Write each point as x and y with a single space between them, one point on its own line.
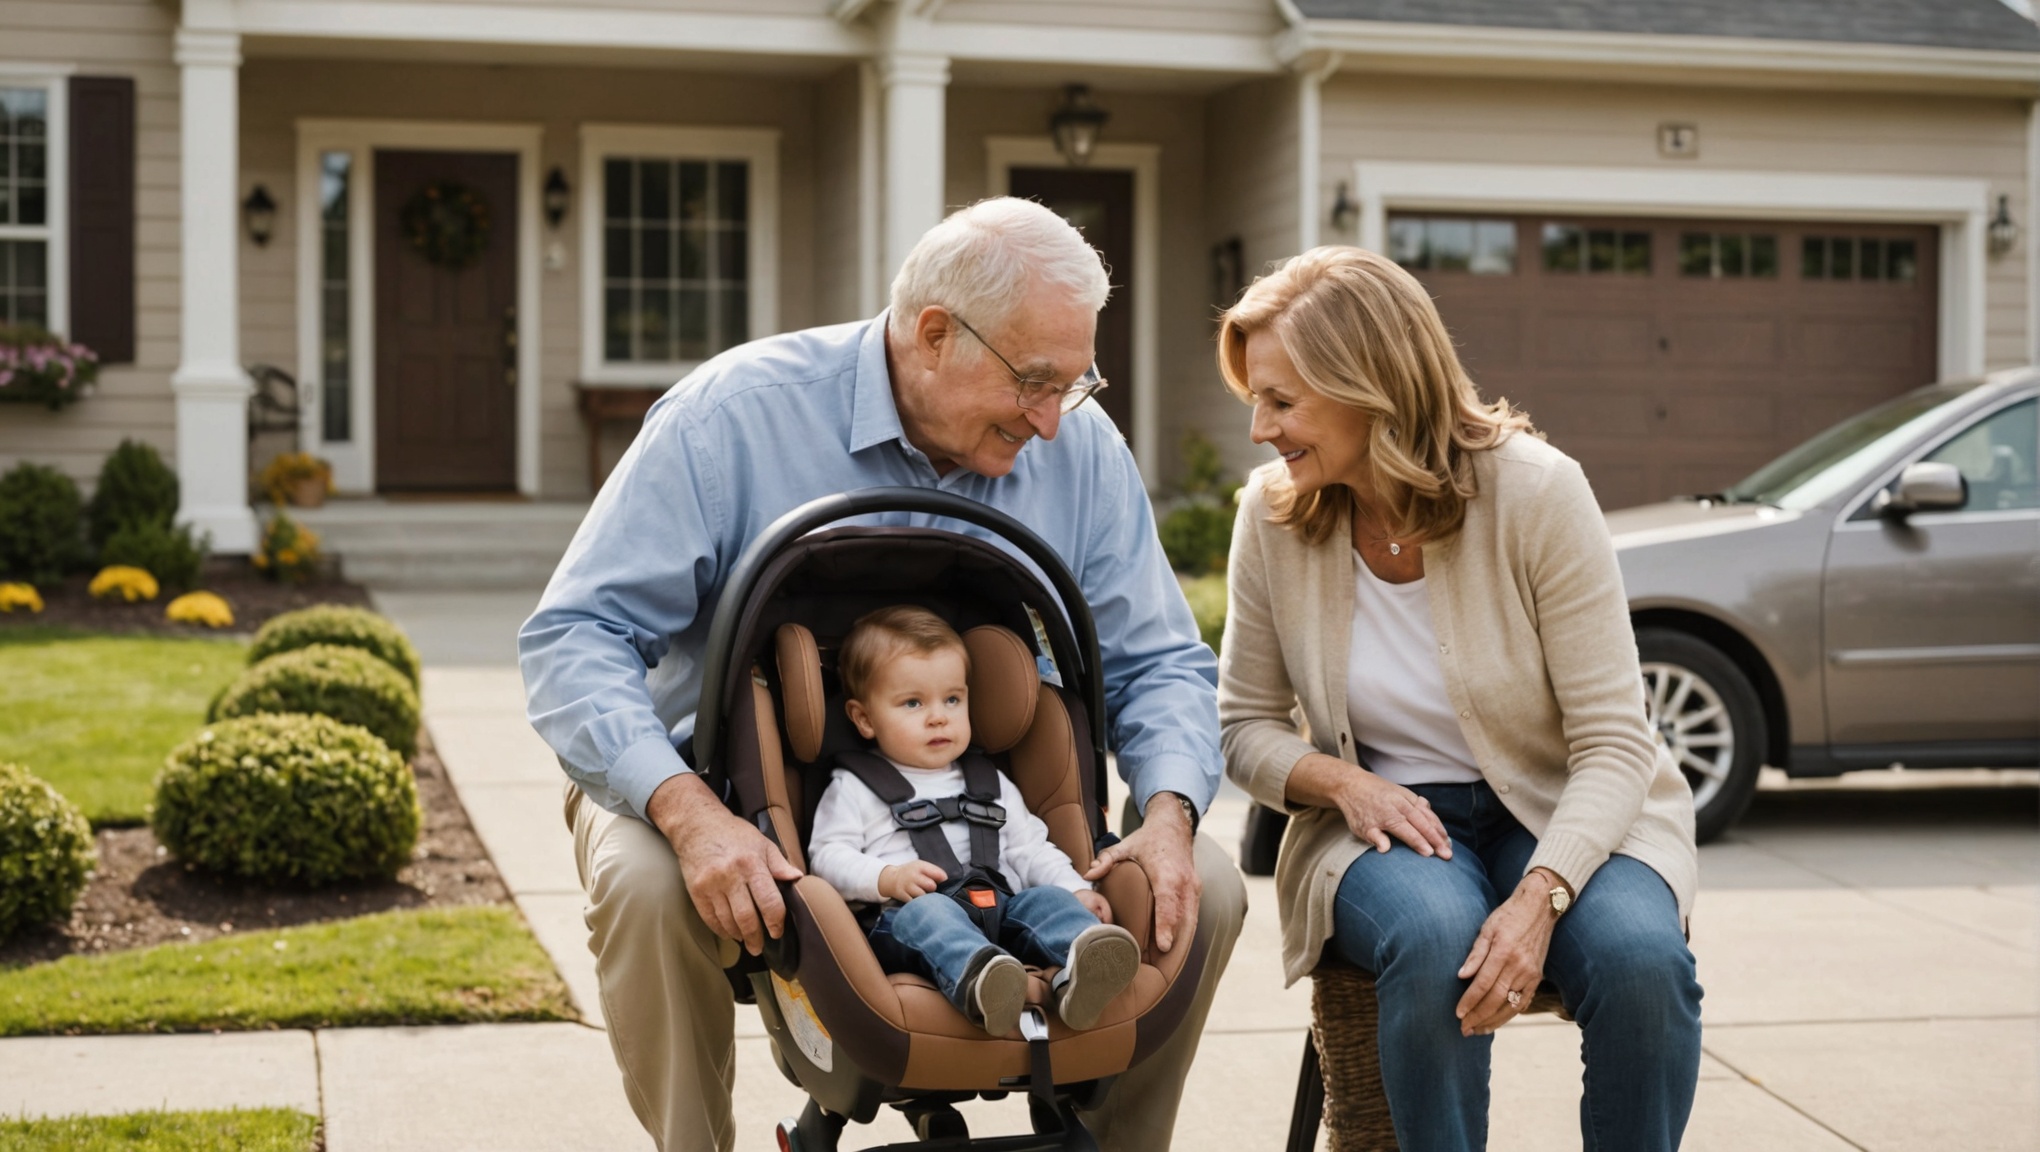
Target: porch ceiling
804 67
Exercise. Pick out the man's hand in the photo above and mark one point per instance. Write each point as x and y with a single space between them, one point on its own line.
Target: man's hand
1090 899
1163 847
728 865
903 882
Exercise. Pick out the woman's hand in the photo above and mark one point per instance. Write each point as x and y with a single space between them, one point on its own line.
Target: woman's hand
1508 956
1375 809
903 882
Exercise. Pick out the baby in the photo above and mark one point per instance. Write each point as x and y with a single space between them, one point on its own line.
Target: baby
965 922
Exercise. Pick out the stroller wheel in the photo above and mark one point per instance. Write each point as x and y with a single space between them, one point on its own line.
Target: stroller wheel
815 1131
789 1136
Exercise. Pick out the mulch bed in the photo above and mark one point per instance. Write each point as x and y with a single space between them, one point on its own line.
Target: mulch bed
253 597
140 896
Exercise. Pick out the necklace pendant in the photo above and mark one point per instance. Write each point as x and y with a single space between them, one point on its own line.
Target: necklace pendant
1394 549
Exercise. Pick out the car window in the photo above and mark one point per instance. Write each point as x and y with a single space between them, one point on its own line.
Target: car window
1998 456
1839 458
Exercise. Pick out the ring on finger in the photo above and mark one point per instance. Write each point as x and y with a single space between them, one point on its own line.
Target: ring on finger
1515 1000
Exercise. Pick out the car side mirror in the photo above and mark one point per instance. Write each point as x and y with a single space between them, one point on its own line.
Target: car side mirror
1927 486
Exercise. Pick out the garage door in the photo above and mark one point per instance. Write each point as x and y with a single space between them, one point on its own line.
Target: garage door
1677 356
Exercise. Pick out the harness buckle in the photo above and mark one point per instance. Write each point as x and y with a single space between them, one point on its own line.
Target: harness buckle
984 898
916 814
986 812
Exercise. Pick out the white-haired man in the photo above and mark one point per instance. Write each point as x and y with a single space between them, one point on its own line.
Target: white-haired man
986 349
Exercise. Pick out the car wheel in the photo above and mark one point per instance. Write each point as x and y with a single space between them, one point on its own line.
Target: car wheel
1707 712
1261 841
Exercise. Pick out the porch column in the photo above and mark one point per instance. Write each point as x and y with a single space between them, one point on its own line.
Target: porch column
211 390
916 93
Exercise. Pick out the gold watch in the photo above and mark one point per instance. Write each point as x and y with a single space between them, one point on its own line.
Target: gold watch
1560 896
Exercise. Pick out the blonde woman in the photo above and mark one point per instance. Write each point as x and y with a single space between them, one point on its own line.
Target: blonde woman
1478 801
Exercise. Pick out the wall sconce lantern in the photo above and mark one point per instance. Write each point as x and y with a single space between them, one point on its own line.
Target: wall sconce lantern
2003 231
1344 211
557 197
1076 125
259 212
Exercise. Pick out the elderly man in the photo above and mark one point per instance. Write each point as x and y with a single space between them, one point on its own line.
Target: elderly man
987 348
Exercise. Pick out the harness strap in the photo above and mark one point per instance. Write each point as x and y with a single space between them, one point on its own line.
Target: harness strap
885 781
981 785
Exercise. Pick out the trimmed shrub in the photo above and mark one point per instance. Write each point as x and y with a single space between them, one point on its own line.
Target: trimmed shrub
347 684
288 799
40 516
135 487
1196 538
340 624
170 554
45 851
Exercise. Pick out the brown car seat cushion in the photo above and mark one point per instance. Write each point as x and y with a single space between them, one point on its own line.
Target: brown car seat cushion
1003 684
800 689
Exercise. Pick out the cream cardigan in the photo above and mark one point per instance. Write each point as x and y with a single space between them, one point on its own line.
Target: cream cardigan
1539 661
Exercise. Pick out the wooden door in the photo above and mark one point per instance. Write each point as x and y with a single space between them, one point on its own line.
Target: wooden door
445 335
1100 205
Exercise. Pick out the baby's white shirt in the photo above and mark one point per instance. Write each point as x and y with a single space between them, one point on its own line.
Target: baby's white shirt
855 838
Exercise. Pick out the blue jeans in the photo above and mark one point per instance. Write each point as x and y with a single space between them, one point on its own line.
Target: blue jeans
933 936
1618 958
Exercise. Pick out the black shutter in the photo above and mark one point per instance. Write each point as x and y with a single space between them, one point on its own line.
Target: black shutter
103 216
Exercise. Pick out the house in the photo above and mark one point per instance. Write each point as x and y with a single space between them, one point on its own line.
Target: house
1684 233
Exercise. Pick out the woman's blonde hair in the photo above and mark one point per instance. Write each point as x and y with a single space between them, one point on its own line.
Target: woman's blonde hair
1363 332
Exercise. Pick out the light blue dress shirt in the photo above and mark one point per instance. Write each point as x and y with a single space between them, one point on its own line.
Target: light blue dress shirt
612 657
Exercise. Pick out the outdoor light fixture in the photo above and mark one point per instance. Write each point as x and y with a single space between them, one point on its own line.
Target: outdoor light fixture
259 211
1343 209
2003 231
1076 125
556 197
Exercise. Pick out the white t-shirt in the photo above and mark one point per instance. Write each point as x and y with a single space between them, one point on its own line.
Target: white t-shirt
1395 691
855 837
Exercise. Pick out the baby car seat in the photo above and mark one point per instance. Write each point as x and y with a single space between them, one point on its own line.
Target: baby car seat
851 1035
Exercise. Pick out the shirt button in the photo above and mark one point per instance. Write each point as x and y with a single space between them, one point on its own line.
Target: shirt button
1464 713
1443 648
1502 788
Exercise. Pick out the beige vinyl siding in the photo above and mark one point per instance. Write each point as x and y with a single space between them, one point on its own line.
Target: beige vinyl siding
1176 125
839 253
275 94
1242 17
1252 130
113 38
729 7
1413 118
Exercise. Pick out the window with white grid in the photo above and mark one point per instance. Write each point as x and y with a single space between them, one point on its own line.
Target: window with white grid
27 199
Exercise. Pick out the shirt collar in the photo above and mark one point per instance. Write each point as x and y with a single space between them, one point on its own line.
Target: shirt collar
874 417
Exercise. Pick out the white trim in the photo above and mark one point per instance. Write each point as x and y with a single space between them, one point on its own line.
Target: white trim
561 25
1960 207
871 270
2031 227
55 230
1665 59
1005 153
1063 47
354 466
759 147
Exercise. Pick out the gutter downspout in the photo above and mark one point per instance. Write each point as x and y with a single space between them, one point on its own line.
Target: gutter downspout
1310 146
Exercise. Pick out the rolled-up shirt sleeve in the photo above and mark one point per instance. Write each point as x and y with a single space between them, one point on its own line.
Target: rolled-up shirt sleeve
1161 680
614 604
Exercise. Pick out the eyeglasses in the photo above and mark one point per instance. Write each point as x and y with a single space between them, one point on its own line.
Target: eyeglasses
1031 393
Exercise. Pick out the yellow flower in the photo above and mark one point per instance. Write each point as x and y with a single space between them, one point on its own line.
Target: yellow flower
286 557
14 596
122 580
261 561
200 608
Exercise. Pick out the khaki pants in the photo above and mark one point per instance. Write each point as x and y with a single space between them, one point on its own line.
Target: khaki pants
672 1020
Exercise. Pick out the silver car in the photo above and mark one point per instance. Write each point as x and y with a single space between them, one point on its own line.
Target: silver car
1870 598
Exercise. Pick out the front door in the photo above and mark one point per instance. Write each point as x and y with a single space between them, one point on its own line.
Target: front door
1100 205
445 321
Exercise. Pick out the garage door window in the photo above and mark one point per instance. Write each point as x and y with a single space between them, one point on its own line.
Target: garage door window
1596 251
1428 244
1859 258
1728 256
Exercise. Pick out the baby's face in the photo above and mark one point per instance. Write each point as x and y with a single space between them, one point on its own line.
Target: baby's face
918 709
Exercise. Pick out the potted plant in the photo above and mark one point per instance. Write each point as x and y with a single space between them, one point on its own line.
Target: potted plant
299 478
39 367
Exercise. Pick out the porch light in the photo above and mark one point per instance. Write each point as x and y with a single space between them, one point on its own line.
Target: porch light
2003 231
1343 209
557 197
1076 125
259 211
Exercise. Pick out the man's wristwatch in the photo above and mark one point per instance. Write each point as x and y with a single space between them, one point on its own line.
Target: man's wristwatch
1189 809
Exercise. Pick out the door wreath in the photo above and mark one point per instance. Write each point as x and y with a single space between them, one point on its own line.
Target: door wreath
447 223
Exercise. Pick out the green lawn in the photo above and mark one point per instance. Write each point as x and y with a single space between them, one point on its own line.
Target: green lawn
95 715
255 1130
436 966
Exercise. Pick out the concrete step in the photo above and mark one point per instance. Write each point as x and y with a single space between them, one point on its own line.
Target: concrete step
448 545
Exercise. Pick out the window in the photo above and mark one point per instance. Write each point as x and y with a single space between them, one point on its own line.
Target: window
1998 457
30 206
1428 244
679 229
1728 255
336 175
1858 258
1596 251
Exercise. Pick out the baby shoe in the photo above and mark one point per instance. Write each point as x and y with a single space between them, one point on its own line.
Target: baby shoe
1103 960
999 992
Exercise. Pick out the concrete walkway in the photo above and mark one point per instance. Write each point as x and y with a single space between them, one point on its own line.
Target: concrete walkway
1872 974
